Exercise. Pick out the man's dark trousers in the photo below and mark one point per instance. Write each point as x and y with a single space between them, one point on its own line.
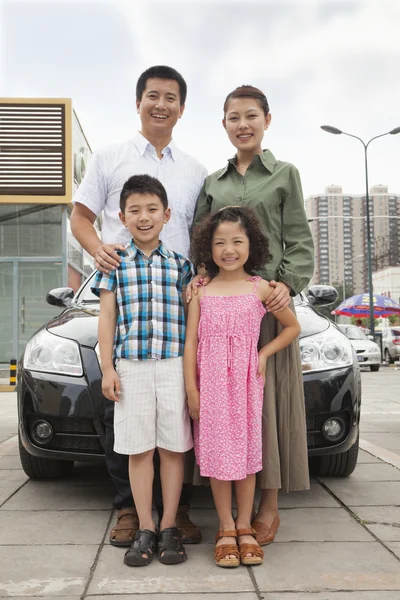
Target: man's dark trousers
117 465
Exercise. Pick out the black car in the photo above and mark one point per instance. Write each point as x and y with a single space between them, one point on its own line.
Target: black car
61 406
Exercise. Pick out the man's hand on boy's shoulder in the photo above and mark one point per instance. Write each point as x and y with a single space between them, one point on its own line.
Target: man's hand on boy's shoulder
110 385
106 257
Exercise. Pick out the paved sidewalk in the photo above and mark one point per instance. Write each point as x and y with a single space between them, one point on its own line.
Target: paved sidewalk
340 541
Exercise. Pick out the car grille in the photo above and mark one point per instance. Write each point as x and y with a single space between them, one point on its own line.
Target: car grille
70 434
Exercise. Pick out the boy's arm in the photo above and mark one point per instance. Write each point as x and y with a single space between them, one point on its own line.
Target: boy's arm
190 358
107 324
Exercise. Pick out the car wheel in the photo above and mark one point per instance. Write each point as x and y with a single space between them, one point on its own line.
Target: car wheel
388 359
37 467
375 367
336 465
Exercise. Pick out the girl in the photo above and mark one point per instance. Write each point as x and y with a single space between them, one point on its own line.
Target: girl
225 374
272 188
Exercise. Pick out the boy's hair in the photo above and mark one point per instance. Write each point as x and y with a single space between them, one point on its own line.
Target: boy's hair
145 185
161 72
248 91
201 247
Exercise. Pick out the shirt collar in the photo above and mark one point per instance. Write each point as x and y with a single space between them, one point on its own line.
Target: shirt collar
267 159
143 144
132 250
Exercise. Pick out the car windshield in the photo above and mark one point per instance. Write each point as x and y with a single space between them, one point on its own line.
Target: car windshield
353 332
85 294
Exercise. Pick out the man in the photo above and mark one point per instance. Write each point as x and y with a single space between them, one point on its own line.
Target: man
160 101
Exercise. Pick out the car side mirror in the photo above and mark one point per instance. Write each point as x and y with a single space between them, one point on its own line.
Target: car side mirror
60 297
322 295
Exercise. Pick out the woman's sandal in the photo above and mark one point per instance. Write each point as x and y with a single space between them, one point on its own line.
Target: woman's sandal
254 549
170 548
145 543
224 550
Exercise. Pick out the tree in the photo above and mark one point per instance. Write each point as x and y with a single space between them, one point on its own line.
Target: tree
394 320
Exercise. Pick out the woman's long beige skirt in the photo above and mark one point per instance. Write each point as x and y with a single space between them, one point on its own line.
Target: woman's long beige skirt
285 458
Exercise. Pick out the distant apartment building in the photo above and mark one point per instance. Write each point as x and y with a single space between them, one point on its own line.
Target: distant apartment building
338 224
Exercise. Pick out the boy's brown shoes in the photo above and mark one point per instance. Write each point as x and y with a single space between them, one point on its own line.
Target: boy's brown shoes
123 534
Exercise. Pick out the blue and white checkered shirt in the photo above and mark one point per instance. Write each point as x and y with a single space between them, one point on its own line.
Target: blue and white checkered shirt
151 319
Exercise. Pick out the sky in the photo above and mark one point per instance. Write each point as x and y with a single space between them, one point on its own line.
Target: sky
318 62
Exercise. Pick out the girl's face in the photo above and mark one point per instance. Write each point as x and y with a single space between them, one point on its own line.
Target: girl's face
230 246
245 123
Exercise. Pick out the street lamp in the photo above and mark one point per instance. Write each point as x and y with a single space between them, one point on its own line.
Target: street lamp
347 262
337 131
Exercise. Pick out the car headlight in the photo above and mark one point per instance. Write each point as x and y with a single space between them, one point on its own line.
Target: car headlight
328 350
49 353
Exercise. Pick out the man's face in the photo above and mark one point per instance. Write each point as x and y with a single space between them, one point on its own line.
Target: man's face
159 108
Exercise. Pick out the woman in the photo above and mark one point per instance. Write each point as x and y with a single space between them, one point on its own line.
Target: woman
272 188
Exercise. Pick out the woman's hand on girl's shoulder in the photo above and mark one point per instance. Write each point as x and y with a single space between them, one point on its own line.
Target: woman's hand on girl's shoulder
196 283
278 297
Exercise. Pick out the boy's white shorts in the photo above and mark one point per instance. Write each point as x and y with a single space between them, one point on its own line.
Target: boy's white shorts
152 410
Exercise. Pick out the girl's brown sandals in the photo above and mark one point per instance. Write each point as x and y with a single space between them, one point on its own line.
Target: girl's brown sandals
224 550
253 549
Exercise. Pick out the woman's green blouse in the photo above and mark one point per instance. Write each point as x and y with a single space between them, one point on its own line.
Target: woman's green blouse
272 188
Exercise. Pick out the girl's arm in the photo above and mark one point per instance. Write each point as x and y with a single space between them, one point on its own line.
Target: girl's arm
190 357
290 331
107 321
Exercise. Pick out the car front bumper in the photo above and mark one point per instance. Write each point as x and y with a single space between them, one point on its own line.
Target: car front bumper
366 360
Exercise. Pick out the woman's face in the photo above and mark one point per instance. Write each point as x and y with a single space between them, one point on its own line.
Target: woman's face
245 123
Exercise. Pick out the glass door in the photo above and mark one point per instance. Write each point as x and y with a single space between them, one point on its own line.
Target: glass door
7 311
34 281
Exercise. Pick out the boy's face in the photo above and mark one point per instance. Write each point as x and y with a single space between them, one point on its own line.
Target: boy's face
144 217
159 107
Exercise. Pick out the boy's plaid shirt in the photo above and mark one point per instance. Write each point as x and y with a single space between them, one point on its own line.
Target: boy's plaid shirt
151 320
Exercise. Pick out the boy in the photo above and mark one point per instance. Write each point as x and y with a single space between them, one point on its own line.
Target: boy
146 340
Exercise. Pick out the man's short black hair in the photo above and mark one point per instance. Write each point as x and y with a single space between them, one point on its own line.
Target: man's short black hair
161 72
145 185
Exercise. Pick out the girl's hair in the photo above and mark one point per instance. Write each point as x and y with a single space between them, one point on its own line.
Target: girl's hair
201 246
248 91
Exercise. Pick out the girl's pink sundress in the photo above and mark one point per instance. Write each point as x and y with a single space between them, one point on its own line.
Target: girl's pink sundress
228 439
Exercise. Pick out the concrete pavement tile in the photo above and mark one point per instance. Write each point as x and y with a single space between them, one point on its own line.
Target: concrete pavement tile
385 533
376 472
7 489
47 570
334 596
382 425
363 493
13 476
315 497
10 462
52 527
391 441
378 514
10 446
366 457
197 575
48 597
328 566
320 525
59 495
395 547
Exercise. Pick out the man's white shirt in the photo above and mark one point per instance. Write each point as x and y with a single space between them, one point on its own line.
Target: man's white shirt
109 168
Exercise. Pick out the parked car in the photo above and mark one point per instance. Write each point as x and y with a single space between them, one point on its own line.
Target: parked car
391 344
368 352
61 405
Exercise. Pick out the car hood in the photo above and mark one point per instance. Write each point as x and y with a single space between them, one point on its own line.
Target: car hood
364 345
80 323
77 323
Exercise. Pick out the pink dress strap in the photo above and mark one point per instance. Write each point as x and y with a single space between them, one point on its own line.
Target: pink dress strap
256 279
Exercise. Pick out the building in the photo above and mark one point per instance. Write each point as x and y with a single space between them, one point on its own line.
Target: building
43 152
338 224
387 283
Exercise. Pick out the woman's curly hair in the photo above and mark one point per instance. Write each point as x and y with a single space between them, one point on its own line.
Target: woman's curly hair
203 233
